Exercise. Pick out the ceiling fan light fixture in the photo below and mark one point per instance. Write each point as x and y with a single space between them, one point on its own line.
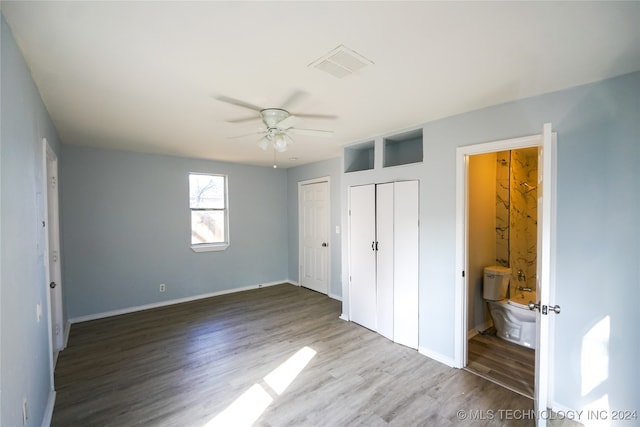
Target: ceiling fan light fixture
264 142
280 143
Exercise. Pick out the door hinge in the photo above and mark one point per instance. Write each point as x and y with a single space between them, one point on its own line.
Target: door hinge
54 256
462 273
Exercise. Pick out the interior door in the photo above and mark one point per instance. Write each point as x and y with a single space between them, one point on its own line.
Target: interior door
53 251
314 218
362 256
384 248
406 263
545 283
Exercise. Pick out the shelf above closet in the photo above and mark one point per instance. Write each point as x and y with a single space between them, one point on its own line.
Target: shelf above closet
359 157
403 149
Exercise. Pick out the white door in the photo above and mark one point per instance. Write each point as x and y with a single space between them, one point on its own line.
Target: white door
362 256
314 232
546 307
384 248
53 250
406 263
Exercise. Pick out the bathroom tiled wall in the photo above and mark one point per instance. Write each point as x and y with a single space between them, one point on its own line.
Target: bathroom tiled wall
503 160
517 213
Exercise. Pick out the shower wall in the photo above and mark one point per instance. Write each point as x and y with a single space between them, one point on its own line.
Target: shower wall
517 214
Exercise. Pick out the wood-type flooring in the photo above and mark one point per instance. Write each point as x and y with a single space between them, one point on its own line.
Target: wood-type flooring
212 362
505 363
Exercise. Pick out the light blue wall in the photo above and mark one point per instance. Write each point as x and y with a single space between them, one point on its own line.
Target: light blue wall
598 251
24 345
328 168
126 223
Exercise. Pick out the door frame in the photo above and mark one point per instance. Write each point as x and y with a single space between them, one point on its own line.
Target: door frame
326 179
53 273
462 215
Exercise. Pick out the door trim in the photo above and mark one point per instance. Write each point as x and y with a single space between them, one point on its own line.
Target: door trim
326 179
461 300
52 273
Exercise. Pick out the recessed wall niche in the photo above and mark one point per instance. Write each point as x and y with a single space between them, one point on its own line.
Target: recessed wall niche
403 149
359 157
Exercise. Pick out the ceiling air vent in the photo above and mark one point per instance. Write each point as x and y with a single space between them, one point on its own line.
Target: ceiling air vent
341 62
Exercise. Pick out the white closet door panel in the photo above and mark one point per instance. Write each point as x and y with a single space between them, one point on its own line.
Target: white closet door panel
406 250
384 262
362 258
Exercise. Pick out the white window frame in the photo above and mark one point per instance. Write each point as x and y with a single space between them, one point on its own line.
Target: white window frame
211 247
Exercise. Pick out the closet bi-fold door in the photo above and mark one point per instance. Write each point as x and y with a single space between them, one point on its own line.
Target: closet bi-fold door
406 263
385 258
362 256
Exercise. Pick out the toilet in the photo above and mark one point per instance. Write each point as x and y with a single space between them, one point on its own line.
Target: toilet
512 318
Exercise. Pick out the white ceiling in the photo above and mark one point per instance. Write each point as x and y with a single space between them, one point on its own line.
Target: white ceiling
144 76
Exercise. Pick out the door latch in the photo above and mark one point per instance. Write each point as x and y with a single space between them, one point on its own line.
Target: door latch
543 308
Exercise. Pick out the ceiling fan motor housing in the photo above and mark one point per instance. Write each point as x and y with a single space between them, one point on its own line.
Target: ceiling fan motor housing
273 116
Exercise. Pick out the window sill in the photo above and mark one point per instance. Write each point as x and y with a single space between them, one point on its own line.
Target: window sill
212 247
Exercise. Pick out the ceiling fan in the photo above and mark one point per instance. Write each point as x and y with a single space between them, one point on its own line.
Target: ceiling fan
277 123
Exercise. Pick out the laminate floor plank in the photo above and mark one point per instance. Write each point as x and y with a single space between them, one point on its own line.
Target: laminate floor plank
506 363
192 364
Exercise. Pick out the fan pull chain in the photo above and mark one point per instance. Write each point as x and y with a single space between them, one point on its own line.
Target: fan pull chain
275 166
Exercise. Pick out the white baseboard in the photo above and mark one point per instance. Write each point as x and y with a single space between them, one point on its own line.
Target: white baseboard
437 356
334 296
127 310
329 294
479 328
65 338
48 410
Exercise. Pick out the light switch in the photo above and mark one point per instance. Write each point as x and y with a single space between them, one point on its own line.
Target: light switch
337 229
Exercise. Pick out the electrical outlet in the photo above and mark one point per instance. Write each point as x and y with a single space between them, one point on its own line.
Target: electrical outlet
162 287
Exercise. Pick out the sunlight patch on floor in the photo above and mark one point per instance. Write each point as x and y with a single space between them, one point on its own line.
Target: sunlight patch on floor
280 378
247 408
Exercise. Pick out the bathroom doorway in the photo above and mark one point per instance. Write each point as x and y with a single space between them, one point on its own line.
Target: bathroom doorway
545 308
502 211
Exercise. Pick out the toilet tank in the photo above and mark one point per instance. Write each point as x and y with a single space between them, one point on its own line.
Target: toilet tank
496 282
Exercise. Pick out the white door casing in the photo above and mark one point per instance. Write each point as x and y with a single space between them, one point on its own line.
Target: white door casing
314 217
53 271
362 257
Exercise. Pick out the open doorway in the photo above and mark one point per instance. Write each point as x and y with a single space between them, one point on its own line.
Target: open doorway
545 307
501 266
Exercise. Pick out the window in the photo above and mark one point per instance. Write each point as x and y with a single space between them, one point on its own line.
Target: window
209 219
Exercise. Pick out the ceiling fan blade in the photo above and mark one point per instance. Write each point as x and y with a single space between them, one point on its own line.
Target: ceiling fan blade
257 132
294 99
311 132
238 103
287 123
245 119
317 116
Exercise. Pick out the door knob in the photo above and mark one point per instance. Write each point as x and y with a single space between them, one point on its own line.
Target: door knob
545 309
52 285
324 244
